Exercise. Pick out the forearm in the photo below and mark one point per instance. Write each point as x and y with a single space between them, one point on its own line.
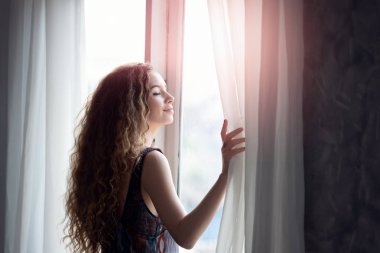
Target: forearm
194 223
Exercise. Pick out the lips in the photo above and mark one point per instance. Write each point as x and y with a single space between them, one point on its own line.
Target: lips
168 109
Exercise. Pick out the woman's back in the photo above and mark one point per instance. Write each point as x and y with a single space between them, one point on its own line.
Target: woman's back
140 230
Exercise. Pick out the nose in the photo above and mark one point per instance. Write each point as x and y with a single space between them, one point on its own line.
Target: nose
169 99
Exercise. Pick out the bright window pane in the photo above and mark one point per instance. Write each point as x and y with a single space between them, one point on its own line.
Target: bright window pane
115 35
202 119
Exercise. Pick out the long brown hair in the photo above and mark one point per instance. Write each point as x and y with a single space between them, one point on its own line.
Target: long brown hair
111 135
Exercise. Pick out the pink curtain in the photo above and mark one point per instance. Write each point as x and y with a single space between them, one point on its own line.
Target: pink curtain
258 50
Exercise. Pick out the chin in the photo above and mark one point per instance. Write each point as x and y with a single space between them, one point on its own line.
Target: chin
169 122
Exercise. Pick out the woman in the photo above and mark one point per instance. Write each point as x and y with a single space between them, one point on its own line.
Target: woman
121 197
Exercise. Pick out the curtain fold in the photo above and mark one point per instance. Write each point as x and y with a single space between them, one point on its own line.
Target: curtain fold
45 90
227 30
258 54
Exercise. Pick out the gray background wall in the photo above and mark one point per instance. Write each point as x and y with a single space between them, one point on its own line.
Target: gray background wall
342 125
4 31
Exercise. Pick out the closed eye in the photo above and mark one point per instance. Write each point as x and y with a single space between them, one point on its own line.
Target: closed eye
158 87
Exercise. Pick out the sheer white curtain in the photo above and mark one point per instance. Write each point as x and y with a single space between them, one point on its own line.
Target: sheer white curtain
258 52
44 94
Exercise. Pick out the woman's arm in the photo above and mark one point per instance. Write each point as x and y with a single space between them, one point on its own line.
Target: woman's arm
157 182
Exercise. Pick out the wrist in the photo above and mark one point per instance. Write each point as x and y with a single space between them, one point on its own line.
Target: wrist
223 176
225 167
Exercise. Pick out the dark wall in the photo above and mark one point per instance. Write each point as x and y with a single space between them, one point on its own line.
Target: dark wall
342 125
4 31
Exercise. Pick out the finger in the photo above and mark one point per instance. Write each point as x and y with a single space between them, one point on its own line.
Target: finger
224 129
227 145
233 133
232 143
236 151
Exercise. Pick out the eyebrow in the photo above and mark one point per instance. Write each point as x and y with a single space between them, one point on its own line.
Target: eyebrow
159 86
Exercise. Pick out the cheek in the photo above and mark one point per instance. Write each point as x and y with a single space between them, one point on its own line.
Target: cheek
154 104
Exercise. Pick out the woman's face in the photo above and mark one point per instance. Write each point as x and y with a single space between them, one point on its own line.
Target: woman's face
160 101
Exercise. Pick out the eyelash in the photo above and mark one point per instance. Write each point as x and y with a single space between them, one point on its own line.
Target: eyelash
156 93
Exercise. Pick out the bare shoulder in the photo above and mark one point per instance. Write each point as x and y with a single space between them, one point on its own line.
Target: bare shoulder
155 158
155 155
156 163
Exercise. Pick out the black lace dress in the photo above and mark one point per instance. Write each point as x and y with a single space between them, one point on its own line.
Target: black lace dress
139 230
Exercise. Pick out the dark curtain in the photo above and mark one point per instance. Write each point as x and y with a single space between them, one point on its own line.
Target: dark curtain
342 126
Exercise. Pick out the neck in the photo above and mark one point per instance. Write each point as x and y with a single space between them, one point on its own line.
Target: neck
150 136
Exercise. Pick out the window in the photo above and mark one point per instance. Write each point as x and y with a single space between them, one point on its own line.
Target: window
202 118
115 35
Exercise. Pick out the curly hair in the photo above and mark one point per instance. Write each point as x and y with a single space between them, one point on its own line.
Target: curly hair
111 135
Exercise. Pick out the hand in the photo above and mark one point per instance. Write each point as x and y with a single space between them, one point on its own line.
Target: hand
228 150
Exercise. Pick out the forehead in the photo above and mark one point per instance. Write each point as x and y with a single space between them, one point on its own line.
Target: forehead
155 79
